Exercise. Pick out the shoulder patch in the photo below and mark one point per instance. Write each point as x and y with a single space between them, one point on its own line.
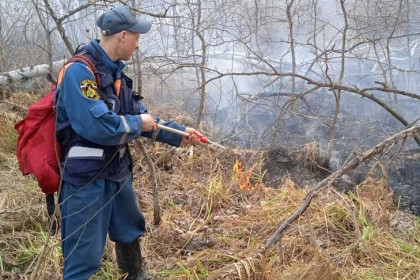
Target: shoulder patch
89 89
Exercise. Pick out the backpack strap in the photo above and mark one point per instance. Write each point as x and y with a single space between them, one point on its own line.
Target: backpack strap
51 79
89 64
49 198
79 48
86 61
84 58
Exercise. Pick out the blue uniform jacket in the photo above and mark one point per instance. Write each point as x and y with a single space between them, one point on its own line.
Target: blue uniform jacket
94 133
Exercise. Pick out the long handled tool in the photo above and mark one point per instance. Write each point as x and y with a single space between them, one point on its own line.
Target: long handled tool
202 139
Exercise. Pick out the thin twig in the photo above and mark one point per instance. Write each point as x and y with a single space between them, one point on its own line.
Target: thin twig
157 218
14 105
162 158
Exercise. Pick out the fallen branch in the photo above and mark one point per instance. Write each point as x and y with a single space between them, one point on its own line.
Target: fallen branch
157 217
352 164
27 73
165 155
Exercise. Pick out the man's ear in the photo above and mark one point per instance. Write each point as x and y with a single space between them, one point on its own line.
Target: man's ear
123 34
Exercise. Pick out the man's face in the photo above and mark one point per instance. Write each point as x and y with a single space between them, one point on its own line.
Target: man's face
129 43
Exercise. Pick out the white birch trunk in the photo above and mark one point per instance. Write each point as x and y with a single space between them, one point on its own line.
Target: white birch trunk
31 72
27 73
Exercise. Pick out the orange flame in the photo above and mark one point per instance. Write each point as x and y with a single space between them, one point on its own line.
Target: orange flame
241 176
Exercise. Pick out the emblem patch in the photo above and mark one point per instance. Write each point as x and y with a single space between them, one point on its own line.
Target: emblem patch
89 89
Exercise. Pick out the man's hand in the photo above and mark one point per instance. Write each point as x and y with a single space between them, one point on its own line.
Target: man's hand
148 123
193 139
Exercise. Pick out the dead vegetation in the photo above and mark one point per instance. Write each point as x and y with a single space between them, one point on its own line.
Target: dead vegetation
217 213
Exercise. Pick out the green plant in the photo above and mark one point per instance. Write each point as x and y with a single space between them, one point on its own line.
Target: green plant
409 248
258 176
27 252
185 271
1 263
367 226
215 186
399 203
371 275
352 196
202 271
107 271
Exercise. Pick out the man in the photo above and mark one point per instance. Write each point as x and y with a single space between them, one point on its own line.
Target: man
96 120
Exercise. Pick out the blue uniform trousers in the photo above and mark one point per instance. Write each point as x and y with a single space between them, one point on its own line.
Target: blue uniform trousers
88 214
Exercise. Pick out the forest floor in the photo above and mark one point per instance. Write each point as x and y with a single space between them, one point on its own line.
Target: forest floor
217 212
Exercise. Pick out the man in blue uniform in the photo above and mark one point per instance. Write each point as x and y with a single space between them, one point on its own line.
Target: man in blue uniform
97 117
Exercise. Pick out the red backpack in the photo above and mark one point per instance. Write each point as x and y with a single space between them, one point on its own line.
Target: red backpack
36 144
38 152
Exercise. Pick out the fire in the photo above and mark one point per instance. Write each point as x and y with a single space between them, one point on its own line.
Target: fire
241 176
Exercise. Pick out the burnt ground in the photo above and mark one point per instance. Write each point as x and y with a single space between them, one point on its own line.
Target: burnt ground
404 180
280 164
303 168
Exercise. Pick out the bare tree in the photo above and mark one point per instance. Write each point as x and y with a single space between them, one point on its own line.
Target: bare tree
337 93
281 58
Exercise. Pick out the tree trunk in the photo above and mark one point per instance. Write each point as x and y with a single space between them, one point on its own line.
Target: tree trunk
337 94
30 72
60 28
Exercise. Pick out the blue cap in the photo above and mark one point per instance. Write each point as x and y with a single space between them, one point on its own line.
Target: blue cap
119 19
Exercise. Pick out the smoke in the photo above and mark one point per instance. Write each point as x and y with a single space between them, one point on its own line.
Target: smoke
242 37
261 116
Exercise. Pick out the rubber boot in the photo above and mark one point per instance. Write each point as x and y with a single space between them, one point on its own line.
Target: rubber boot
130 261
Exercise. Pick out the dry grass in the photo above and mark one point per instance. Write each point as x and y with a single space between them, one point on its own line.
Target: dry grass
212 226
214 223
